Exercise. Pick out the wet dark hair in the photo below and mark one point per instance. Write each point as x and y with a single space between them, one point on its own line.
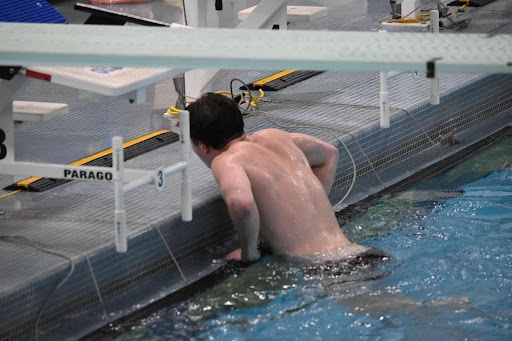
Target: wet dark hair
215 120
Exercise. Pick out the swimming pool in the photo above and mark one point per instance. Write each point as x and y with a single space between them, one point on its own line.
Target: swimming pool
450 277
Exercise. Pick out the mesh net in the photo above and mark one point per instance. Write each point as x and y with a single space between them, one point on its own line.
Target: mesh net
64 278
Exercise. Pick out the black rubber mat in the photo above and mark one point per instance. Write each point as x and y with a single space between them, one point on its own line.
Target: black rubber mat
282 80
472 3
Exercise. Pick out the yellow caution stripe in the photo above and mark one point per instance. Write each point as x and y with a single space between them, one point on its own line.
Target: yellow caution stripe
8 194
275 76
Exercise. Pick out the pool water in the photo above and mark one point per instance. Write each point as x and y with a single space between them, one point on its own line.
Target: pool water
450 277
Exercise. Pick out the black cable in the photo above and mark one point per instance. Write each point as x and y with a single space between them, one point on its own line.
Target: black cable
492 33
246 87
43 248
185 13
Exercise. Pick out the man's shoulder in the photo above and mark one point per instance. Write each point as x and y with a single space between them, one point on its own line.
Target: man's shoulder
224 158
271 133
223 162
229 158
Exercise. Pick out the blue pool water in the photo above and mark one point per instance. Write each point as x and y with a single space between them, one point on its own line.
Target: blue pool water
450 277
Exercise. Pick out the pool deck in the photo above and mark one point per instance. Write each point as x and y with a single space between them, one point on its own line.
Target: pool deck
68 232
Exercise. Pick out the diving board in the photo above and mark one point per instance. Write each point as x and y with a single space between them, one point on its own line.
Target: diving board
74 45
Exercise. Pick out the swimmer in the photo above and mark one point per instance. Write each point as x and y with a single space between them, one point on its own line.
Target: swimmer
275 184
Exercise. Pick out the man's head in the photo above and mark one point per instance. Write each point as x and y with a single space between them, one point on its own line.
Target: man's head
215 120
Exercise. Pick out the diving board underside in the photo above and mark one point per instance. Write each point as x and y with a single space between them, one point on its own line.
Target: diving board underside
85 45
76 218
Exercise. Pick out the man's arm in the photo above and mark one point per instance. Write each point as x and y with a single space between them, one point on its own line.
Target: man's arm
236 191
322 157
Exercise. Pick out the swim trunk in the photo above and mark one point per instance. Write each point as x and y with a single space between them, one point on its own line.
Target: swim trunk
364 262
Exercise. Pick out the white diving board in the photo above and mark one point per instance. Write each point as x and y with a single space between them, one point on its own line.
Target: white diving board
83 45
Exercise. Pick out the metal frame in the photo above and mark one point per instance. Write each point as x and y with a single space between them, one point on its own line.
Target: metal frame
125 180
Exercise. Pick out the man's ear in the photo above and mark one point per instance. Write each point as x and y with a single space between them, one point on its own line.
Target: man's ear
205 149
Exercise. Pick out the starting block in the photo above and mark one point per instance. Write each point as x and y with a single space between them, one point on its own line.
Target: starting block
295 14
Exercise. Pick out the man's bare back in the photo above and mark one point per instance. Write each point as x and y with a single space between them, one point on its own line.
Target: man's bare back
276 170
274 183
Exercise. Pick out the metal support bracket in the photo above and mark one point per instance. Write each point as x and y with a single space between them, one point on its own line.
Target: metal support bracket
431 68
8 72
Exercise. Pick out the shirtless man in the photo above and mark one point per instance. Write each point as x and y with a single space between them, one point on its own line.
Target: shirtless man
275 184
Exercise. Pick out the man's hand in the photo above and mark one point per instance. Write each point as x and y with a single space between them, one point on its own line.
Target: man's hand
237 255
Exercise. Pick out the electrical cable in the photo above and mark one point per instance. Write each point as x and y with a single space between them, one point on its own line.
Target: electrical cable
172 255
13 238
461 25
493 32
245 86
105 315
405 16
423 130
253 101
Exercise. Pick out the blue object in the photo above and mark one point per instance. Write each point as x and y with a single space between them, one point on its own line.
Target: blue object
29 11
